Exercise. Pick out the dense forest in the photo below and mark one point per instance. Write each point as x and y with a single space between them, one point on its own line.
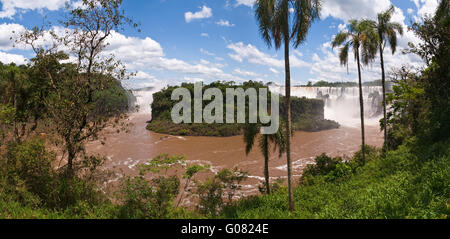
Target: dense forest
308 114
51 105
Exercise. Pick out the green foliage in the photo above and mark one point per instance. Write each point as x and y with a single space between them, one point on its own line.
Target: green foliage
403 184
152 193
143 199
30 184
29 168
308 114
435 51
211 193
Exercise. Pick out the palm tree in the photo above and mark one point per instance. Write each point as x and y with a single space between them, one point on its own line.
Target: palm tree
387 34
251 132
286 21
363 39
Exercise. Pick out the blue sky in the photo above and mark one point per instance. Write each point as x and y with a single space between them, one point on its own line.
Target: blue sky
191 40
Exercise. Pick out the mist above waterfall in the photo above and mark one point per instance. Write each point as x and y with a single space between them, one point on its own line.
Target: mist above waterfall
342 103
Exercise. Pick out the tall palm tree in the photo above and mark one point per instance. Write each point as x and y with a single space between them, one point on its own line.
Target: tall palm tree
363 39
251 133
387 34
286 21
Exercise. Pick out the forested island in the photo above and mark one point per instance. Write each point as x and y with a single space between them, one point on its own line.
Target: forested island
307 114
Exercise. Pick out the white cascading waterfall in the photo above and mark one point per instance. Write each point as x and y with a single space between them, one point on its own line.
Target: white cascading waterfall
144 99
342 103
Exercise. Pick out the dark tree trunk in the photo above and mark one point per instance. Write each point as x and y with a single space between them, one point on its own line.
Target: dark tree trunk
70 159
361 105
383 82
266 163
288 121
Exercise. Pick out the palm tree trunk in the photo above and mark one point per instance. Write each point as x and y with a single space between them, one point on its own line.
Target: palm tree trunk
361 105
288 120
383 82
266 163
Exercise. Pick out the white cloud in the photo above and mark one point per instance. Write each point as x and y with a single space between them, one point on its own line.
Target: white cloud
425 7
298 53
203 51
248 3
224 23
10 33
142 54
249 52
274 71
78 4
10 7
342 27
193 79
205 12
348 9
244 73
7 58
203 34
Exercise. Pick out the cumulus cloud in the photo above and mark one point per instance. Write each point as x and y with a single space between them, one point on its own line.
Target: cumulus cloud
348 9
224 23
10 7
248 3
425 7
244 73
140 54
10 33
203 51
273 70
7 58
205 12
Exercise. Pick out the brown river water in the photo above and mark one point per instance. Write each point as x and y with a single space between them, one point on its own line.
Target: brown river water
125 150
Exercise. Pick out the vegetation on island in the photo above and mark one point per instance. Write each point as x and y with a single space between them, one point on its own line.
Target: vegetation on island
307 114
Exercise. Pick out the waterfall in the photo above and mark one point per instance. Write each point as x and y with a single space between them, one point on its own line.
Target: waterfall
144 99
342 103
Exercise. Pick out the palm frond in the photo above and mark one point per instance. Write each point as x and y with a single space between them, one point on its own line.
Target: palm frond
353 25
343 54
264 14
369 42
340 38
250 133
392 39
305 13
387 30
